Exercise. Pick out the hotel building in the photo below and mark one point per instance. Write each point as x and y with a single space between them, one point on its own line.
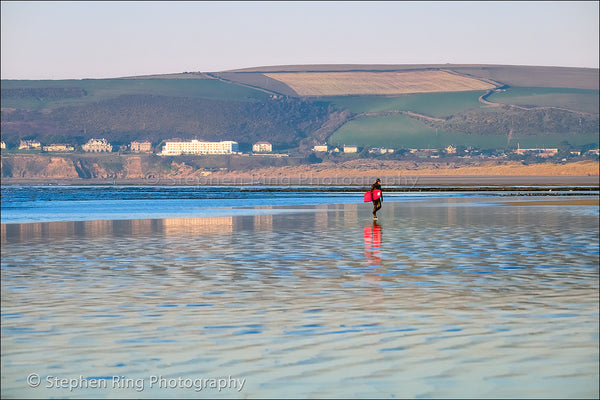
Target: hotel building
176 148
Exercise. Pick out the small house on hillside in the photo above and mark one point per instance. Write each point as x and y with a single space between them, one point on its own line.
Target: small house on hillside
380 150
262 147
30 145
542 153
450 149
140 147
58 147
97 146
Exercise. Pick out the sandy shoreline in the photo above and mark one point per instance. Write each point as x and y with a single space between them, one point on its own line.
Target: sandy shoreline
362 172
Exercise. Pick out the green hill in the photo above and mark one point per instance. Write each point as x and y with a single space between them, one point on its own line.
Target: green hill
537 105
122 110
432 104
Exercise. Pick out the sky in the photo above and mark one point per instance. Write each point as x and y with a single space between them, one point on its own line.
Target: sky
107 39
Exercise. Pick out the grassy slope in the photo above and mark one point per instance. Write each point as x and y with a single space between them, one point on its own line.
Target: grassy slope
569 88
125 109
397 131
574 99
402 131
432 104
104 89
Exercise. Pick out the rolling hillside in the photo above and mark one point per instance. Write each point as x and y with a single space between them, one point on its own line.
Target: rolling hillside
295 107
122 110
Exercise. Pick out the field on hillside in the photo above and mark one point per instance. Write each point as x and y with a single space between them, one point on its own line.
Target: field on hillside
377 83
432 104
38 95
402 131
513 75
572 99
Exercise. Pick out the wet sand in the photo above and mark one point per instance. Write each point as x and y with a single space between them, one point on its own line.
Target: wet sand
548 202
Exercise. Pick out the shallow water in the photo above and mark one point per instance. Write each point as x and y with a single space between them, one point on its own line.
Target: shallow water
22 204
444 297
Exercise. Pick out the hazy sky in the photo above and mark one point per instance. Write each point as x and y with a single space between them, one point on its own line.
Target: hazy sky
76 39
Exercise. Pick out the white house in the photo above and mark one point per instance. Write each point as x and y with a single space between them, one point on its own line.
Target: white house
380 150
262 147
140 147
321 148
97 146
29 144
58 147
350 149
450 149
542 153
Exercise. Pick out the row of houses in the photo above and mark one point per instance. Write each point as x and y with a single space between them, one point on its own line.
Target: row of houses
433 153
93 145
374 150
325 149
171 147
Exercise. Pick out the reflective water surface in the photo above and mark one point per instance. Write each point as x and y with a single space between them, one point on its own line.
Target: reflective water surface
446 297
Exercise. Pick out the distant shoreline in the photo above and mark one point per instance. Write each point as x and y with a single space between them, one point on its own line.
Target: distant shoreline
416 183
357 173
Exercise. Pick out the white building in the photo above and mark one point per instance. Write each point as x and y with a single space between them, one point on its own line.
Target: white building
323 148
58 147
178 147
450 149
97 146
350 149
542 153
262 147
380 150
29 144
140 147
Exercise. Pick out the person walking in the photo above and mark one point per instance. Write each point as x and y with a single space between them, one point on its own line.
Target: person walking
376 201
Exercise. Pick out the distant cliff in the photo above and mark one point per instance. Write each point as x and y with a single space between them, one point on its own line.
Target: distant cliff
153 170
116 166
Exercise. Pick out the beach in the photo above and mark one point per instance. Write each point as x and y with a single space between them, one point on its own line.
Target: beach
357 172
465 295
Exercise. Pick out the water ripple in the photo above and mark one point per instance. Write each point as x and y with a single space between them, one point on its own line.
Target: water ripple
441 299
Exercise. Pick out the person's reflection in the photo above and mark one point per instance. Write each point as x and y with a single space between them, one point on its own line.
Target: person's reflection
373 244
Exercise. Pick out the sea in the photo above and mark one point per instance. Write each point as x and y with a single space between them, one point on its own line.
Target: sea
296 292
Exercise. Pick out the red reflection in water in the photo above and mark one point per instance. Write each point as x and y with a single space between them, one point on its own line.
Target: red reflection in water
373 244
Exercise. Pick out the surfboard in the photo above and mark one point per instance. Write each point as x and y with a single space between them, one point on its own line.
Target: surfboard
376 195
